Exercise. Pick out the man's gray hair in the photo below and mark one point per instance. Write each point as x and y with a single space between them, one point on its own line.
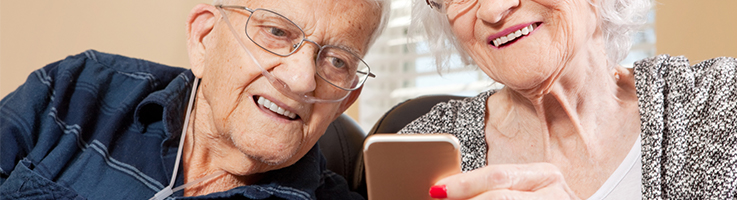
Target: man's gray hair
384 5
618 20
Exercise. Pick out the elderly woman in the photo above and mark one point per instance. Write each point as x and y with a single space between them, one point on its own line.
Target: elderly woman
570 122
273 74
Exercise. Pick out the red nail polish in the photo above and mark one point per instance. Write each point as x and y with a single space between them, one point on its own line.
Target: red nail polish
438 192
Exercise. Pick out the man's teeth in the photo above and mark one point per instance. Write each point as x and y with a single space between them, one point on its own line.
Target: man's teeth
514 35
273 107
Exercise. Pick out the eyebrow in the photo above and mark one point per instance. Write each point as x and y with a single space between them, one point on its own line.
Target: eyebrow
352 50
341 43
344 47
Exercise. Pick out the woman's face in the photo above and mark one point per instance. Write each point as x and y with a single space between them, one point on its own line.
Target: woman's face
528 62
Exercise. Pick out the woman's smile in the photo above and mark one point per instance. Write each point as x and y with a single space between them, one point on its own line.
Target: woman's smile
512 34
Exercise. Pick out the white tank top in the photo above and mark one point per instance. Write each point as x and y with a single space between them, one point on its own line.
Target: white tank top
626 181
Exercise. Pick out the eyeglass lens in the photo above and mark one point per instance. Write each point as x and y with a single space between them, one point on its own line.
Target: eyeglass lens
279 35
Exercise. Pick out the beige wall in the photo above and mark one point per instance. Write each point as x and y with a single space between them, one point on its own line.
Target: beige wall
697 29
36 33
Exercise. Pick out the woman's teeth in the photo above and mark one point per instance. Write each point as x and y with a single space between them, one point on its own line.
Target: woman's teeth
513 35
273 107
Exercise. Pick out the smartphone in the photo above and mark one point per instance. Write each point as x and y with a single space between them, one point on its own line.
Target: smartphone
405 166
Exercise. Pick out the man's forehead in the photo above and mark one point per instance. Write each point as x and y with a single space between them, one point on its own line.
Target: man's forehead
345 23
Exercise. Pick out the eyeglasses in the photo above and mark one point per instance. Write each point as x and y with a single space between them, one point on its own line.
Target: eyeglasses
280 36
443 5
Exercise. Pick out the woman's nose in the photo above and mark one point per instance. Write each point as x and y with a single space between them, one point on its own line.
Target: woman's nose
298 70
493 11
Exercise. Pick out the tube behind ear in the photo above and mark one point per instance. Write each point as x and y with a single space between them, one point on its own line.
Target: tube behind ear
349 100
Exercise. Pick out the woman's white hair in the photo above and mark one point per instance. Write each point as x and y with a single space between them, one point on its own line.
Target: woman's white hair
384 5
618 20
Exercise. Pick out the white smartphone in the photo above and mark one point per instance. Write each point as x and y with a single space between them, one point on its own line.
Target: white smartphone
405 166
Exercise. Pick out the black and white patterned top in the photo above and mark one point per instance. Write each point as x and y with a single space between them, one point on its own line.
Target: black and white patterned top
688 115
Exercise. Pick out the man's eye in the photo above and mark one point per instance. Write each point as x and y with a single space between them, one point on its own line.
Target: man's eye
337 63
277 32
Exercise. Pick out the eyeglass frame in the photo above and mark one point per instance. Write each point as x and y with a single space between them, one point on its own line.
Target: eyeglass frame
298 45
440 6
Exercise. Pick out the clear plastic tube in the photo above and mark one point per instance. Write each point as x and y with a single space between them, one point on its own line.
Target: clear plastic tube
208 177
167 191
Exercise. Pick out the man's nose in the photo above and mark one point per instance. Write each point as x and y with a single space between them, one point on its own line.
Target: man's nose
298 70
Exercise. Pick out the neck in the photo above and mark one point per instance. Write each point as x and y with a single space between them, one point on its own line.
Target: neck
574 115
204 153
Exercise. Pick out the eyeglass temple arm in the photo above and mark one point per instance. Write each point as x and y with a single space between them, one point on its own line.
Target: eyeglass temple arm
236 7
433 4
372 75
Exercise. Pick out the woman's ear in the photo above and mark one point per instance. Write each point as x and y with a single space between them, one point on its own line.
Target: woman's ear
200 23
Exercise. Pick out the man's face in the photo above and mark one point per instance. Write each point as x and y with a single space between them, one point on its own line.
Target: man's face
239 99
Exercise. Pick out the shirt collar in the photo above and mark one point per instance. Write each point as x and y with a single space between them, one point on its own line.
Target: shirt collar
169 105
298 181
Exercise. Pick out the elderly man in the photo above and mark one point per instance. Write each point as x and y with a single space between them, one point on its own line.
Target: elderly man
266 79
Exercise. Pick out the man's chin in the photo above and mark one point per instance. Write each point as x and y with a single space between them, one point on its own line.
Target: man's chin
277 160
272 153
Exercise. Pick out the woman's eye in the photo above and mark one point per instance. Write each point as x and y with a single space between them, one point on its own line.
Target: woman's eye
277 32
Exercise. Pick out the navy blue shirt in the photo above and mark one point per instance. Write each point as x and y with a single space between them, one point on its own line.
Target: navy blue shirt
101 126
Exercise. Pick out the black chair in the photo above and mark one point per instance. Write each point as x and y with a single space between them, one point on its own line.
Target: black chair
403 113
341 145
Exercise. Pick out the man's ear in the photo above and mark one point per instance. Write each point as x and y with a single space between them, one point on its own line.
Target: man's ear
200 22
348 101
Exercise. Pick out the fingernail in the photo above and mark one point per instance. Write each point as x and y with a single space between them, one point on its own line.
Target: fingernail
438 192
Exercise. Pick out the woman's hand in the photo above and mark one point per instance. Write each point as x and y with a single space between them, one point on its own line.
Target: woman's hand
514 181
